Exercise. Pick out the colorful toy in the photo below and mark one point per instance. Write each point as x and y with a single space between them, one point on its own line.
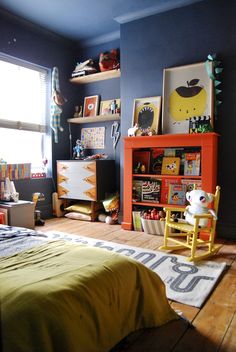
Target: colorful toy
109 60
199 201
78 150
132 130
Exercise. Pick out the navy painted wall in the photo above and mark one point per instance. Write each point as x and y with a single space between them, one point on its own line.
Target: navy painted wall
184 36
107 90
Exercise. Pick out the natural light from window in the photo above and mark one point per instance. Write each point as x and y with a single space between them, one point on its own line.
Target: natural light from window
23 110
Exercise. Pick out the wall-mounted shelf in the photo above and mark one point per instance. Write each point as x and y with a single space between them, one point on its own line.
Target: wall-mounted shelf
94 77
98 118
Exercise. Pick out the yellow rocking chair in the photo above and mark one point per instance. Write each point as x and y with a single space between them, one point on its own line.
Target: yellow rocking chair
188 236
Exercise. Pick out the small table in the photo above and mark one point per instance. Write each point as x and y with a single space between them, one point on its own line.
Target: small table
19 213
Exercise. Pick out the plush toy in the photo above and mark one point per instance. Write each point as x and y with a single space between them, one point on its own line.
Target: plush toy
199 201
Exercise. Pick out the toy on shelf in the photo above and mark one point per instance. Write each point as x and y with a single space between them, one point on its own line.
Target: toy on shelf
132 130
78 111
84 68
78 150
109 60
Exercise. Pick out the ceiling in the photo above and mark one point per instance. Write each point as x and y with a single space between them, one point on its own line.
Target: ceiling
87 21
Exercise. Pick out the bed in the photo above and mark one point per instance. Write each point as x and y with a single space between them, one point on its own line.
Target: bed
61 296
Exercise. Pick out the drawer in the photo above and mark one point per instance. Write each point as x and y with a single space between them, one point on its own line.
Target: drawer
77 180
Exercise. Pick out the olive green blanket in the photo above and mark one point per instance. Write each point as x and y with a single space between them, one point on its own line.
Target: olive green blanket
73 298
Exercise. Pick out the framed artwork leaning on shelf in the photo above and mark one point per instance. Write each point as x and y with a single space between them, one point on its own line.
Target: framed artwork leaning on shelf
146 114
187 93
91 106
108 107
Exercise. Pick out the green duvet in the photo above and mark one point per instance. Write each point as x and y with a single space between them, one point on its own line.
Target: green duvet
73 298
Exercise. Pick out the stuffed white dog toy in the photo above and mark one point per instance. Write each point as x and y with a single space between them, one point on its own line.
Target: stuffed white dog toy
199 201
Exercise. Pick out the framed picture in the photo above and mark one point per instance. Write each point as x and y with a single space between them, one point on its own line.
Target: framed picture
108 107
187 93
146 113
91 105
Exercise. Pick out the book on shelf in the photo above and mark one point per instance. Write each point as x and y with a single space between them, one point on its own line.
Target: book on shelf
137 190
151 191
137 224
191 184
177 194
165 182
78 74
156 160
192 164
170 166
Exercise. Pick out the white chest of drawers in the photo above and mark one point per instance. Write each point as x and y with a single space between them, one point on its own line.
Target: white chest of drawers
86 180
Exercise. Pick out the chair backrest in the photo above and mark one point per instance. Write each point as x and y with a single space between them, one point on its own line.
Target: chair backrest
216 199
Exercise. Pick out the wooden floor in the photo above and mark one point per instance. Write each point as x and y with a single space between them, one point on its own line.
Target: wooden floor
213 326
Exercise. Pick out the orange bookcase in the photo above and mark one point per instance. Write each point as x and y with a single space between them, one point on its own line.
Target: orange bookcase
206 142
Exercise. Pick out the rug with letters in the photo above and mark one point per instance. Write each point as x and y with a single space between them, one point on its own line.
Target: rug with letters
186 282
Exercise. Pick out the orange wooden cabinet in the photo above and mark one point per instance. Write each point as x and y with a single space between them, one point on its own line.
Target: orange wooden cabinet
207 144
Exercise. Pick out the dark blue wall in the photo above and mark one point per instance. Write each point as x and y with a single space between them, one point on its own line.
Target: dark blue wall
107 90
184 36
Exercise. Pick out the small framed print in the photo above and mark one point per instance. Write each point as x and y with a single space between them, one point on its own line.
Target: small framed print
91 106
146 113
108 107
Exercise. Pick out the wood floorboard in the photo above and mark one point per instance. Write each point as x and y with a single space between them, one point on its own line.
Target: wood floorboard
213 325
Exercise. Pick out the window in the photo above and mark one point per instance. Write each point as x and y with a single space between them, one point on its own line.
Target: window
24 92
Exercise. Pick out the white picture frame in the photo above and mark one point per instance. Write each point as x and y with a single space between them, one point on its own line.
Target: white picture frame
187 93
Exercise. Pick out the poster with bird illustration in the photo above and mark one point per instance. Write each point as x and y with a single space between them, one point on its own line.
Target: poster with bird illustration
187 93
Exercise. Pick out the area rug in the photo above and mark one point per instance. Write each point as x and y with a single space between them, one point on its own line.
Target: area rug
185 282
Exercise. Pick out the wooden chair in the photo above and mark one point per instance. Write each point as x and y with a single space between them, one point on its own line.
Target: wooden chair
189 236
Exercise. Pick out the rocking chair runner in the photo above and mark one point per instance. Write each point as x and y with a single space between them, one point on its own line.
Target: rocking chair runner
188 236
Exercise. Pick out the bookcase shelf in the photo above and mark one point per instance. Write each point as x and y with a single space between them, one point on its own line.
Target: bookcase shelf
207 143
168 176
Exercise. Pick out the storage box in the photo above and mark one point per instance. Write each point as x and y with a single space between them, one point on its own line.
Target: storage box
153 227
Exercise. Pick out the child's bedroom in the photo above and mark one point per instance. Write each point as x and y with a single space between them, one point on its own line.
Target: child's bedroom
117 200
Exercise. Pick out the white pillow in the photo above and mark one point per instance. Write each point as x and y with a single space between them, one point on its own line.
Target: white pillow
78 216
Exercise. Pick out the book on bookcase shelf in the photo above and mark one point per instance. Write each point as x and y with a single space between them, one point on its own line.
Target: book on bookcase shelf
137 220
165 182
170 166
151 191
191 184
192 164
137 190
177 194
156 160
